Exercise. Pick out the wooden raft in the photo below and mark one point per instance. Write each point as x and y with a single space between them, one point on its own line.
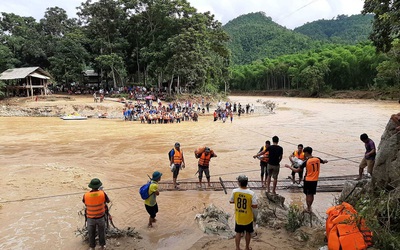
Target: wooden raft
325 184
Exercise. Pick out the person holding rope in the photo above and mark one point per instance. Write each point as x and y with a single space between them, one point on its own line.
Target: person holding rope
369 157
204 163
312 166
264 162
95 201
275 156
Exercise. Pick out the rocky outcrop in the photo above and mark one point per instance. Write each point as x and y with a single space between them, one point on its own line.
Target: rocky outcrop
378 199
386 173
215 221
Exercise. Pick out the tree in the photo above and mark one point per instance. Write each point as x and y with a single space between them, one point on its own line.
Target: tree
386 23
115 64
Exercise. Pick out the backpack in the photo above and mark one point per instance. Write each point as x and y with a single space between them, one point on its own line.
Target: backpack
171 154
144 191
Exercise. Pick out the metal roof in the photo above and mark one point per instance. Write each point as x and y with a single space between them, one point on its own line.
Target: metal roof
20 73
39 76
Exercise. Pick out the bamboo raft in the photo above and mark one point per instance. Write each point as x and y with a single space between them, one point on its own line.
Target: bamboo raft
325 184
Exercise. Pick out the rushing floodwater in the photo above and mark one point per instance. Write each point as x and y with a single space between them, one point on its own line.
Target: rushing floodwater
55 159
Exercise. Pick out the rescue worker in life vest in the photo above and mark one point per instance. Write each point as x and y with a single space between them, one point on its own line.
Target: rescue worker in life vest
312 166
204 164
299 154
177 161
264 162
95 202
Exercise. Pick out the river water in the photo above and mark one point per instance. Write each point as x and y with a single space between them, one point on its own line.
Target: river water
46 164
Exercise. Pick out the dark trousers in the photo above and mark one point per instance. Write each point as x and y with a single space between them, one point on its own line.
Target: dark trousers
100 223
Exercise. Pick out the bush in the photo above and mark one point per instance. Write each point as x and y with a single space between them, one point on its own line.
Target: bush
294 218
382 215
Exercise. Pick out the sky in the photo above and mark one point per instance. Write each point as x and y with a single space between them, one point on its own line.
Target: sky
288 13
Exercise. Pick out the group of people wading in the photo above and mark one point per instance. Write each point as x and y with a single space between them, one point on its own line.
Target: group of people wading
244 199
147 113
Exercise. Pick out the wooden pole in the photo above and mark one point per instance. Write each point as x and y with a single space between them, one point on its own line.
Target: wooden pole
30 80
222 184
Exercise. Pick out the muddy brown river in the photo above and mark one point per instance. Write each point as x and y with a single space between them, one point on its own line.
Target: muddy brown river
47 163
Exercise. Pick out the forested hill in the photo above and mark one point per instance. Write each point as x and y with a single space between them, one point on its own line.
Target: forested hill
342 29
255 36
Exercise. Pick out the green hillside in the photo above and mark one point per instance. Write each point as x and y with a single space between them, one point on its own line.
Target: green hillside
255 36
343 29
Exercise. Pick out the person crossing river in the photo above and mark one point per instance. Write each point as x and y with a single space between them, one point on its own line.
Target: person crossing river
204 163
177 161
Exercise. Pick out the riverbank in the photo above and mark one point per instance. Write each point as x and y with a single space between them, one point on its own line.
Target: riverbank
342 94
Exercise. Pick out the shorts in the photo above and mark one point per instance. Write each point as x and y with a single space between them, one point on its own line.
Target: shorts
367 163
152 211
175 173
206 171
310 187
244 228
273 170
263 166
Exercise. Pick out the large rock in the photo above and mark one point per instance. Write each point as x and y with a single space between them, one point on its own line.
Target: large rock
215 221
386 173
353 191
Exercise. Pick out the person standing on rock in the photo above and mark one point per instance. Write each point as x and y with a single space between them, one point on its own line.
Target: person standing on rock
369 157
95 202
273 167
176 161
245 200
204 163
151 202
312 165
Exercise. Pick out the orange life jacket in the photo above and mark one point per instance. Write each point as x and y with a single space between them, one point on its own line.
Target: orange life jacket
299 156
95 204
205 159
344 231
265 157
312 169
178 155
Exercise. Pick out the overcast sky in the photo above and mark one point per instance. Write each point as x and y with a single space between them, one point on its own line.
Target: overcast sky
289 13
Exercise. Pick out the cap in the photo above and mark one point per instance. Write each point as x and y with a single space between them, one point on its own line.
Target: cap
177 144
242 177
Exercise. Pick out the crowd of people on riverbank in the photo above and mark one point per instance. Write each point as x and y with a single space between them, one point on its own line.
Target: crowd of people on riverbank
173 112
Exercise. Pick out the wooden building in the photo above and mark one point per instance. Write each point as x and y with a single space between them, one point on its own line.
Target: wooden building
28 81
